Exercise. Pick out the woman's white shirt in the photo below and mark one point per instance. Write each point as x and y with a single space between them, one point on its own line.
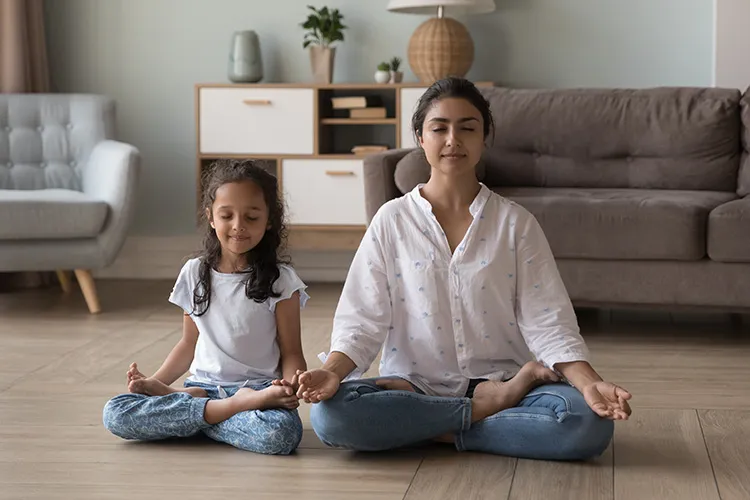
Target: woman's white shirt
442 319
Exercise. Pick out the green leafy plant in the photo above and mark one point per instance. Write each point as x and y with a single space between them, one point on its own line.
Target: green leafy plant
384 66
323 27
395 63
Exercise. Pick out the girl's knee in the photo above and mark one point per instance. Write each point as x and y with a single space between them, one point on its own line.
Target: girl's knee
279 434
113 414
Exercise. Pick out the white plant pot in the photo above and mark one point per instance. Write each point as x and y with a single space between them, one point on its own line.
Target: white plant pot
382 76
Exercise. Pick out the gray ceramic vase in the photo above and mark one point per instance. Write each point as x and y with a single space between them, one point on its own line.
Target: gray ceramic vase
245 63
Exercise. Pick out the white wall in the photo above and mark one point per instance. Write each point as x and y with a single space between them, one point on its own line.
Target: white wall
732 44
148 54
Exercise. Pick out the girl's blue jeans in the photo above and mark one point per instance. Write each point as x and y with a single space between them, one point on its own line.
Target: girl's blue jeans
553 422
136 416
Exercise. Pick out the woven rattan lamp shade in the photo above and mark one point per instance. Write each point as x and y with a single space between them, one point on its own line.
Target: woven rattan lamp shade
441 46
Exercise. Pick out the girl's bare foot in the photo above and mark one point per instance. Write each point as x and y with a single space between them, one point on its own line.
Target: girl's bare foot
246 399
149 387
134 373
271 397
493 396
153 387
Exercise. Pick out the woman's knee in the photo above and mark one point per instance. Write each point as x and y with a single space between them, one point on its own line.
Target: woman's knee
590 438
332 419
582 434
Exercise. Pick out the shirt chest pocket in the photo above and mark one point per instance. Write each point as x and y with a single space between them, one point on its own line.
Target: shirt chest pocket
417 283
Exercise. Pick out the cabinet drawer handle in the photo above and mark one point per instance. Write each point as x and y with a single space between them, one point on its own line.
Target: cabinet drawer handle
257 102
339 173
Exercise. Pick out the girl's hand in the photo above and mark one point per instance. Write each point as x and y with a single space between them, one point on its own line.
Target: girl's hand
608 400
291 386
317 385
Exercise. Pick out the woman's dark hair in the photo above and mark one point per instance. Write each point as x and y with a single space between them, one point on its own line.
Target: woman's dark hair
263 260
451 87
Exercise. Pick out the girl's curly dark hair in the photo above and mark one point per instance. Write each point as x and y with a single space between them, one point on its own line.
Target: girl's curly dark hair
264 259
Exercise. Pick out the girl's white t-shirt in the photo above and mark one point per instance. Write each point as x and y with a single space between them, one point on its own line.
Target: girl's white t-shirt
237 336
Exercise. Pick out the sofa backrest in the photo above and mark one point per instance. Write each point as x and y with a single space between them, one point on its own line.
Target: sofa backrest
659 138
743 180
46 139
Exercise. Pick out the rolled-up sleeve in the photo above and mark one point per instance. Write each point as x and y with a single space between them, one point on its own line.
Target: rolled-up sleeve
545 315
363 314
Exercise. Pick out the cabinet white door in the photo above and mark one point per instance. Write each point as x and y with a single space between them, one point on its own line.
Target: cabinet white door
321 191
256 120
409 98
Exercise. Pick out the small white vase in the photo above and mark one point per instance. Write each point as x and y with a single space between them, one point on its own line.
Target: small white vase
382 76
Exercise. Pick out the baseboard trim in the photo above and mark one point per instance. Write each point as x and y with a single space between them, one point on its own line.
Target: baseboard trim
162 257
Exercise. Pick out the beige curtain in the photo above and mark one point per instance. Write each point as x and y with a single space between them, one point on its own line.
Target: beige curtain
23 53
23 69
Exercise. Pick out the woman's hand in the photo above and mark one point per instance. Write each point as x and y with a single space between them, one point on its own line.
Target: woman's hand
607 400
317 385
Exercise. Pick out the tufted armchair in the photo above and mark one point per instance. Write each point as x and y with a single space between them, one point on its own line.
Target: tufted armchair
67 189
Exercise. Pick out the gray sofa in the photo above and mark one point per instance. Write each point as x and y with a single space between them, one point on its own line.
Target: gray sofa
67 188
642 193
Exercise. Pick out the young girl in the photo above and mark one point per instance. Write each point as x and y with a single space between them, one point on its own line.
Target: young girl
241 330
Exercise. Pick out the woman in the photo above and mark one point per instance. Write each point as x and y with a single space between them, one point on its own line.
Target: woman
460 288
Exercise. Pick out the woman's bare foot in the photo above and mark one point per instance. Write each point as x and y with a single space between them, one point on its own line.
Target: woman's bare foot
395 384
153 387
246 399
445 438
493 396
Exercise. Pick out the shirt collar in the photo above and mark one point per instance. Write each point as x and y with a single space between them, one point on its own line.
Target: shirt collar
474 209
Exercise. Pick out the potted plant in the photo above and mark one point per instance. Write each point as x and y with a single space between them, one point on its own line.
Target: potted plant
383 74
396 75
323 27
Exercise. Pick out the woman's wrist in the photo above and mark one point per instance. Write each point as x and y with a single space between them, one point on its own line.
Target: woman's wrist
579 373
339 364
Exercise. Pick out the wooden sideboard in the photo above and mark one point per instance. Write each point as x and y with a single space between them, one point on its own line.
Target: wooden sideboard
307 144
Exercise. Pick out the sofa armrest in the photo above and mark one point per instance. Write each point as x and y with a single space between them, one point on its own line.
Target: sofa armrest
380 185
111 175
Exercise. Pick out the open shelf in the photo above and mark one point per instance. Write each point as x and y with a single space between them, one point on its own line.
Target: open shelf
358 121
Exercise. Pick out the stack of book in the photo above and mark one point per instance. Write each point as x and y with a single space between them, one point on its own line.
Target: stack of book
367 149
360 106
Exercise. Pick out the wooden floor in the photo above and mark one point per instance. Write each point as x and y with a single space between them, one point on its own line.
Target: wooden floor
689 437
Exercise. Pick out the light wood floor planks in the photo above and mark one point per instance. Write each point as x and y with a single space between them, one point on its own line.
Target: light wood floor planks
689 437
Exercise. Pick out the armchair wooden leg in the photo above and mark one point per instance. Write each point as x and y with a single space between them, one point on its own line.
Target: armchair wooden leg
64 280
86 281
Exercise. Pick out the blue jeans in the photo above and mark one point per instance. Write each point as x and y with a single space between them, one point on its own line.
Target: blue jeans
553 422
275 431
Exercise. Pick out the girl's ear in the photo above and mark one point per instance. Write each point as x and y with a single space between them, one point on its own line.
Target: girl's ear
210 218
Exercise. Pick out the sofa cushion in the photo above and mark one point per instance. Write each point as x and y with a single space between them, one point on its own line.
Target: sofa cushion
413 169
659 138
628 224
729 232
49 214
